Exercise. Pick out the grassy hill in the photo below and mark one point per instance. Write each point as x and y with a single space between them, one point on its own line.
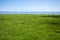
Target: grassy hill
29 27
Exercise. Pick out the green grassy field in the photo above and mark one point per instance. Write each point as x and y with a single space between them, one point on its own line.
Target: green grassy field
29 27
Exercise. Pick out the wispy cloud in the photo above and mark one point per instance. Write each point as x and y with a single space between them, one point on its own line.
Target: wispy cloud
30 5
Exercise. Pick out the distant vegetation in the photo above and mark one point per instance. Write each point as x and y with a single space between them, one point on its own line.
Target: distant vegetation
29 27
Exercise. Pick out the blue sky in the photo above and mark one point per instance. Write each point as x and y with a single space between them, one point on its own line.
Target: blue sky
30 5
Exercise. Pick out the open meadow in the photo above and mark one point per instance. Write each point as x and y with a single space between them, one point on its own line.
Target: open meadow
29 27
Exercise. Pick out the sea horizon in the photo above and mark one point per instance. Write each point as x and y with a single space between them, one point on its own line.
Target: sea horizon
5 12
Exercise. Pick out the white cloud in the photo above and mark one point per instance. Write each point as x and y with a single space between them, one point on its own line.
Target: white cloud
3 10
7 10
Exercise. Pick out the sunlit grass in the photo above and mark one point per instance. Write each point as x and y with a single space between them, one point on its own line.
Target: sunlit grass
29 27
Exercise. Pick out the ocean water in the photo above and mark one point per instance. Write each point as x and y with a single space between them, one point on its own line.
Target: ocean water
29 12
